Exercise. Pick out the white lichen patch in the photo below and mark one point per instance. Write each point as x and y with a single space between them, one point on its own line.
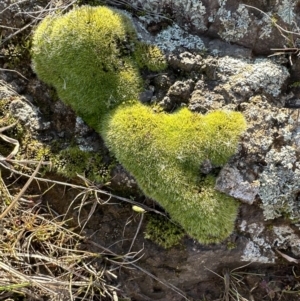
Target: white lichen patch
257 248
192 10
280 184
236 24
266 25
286 238
252 253
173 37
286 10
245 77
81 135
263 241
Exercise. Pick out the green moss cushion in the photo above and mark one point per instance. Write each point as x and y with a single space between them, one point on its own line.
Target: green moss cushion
84 55
164 152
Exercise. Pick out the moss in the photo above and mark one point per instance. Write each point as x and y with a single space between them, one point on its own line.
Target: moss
163 232
231 245
150 56
168 149
86 55
17 52
295 84
72 161
33 149
92 57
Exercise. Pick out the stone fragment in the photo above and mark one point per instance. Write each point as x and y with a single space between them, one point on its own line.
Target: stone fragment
231 182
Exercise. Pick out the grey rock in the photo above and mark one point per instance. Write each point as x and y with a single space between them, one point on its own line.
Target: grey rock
231 182
280 184
243 78
146 96
185 61
230 20
181 89
27 114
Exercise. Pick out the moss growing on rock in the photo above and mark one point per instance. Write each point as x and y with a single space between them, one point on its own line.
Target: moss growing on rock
86 55
91 56
72 161
149 56
164 151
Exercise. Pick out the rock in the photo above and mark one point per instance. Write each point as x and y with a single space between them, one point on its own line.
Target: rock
27 114
181 89
174 37
231 182
163 82
243 78
203 99
146 96
280 183
185 61
231 20
178 94
22 109
219 48
264 240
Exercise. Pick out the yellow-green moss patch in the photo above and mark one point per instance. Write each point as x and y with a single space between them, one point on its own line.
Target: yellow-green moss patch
164 152
86 55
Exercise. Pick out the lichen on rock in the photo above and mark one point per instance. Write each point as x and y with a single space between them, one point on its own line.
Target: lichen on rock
280 183
192 10
244 78
174 36
235 24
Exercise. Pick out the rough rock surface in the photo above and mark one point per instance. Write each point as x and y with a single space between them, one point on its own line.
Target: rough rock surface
231 182
249 24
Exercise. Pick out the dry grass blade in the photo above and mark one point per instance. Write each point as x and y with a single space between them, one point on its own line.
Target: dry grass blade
288 258
137 231
83 189
12 204
233 282
46 258
15 71
12 141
